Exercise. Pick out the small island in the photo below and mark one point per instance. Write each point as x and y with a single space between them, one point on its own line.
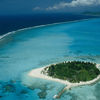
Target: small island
75 71
92 13
70 73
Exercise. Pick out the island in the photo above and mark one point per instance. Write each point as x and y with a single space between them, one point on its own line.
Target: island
91 13
74 71
70 73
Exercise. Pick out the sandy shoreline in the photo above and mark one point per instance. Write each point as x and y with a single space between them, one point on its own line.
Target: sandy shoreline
37 73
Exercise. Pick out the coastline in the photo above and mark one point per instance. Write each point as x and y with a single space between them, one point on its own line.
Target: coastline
37 73
12 32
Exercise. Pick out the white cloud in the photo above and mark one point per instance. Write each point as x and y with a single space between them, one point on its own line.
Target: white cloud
74 3
36 8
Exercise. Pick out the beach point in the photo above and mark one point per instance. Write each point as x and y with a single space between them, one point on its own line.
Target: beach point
39 73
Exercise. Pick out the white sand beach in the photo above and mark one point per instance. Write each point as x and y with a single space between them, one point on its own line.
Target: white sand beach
37 73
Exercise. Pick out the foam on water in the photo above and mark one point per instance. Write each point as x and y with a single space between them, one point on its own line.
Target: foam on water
2 36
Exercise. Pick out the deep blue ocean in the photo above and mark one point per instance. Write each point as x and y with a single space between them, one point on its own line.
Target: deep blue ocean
13 23
35 47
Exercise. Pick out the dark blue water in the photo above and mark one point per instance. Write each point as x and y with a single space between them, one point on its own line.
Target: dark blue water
13 23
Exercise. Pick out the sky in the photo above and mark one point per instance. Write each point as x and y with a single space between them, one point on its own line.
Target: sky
8 7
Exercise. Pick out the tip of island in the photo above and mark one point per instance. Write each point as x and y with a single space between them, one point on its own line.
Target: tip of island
70 73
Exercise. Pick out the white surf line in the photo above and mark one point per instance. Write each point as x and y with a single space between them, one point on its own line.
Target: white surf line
12 32
38 73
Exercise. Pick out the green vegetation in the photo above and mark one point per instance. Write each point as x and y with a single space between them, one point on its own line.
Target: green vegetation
74 71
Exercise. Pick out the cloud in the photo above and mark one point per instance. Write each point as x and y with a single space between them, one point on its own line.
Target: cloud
36 8
74 3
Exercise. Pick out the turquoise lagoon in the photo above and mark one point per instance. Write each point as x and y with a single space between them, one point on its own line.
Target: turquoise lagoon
35 47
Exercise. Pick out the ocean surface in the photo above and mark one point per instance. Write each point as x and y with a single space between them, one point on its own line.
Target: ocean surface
27 49
10 23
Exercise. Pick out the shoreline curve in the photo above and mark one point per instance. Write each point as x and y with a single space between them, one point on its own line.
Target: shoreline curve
38 26
37 73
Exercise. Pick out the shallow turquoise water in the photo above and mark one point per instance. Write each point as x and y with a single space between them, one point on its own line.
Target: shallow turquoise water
37 47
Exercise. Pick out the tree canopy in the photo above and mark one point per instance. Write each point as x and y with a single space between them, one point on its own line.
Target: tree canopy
74 71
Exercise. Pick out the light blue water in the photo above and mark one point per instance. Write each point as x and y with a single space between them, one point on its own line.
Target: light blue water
37 47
